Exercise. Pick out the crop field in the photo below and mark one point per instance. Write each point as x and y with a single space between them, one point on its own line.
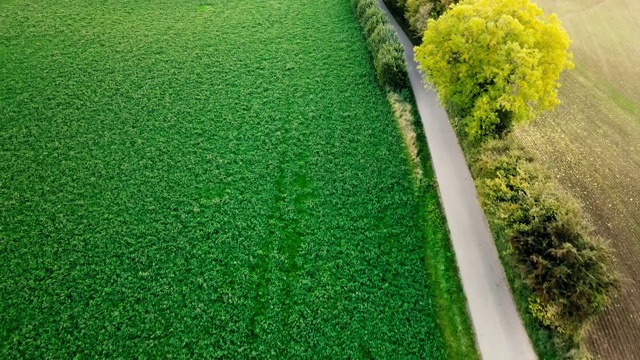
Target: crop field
592 143
204 180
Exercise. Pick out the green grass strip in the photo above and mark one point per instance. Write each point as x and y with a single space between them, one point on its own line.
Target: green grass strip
440 262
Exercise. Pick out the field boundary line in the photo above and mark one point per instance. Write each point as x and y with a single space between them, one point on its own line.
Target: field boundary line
498 328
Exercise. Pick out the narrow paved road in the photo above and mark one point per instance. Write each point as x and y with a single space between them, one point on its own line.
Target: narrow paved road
499 330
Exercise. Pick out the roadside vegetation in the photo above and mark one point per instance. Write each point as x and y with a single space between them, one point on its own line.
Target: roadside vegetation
196 181
543 234
452 316
417 12
496 64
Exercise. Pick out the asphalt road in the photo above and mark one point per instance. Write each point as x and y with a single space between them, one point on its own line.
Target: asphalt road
497 325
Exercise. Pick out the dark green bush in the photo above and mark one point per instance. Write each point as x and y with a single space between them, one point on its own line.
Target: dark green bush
400 4
390 67
373 12
383 45
567 269
381 35
417 12
362 6
372 23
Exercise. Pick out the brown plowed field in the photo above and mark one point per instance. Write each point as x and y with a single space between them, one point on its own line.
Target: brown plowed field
592 144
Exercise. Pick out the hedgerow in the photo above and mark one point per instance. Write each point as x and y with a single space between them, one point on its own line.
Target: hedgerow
381 35
390 67
372 13
567 268
361 6
373 23
383 44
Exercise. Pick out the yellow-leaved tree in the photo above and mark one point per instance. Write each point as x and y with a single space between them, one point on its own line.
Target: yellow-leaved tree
495 62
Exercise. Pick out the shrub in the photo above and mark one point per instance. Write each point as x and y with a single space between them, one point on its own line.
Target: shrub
383 45
381 35
370 14
400 3
390 67
372 23
363 5
567 269
417 13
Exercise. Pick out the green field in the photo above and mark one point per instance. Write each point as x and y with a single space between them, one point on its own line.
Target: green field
181 179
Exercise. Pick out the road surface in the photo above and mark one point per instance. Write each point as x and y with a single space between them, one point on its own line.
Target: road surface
497 325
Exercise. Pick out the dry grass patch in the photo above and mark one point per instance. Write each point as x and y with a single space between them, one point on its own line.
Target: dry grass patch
403 113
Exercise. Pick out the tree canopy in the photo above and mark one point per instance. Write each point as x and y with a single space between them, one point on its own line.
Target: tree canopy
495 62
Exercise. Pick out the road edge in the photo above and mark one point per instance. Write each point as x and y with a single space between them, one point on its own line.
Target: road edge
499 331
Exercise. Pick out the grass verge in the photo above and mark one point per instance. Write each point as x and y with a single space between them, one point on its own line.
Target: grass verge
451 304
452 315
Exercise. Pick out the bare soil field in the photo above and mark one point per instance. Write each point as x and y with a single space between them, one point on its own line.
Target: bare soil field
592 144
